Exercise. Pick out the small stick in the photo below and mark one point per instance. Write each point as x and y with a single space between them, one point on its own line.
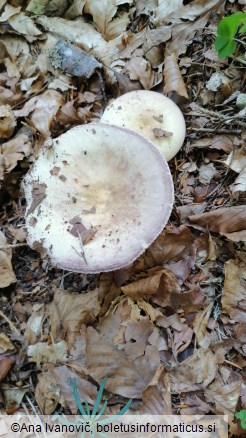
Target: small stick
10 246
11 325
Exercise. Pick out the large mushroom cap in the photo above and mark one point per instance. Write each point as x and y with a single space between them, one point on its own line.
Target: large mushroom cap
97 198
152 115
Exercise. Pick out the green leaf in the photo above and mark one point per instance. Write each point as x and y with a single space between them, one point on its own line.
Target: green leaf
226 31
241 415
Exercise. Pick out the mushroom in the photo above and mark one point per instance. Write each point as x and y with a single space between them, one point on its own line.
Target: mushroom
97 197
152 115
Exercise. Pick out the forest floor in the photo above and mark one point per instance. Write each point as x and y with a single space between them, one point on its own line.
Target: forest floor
169 331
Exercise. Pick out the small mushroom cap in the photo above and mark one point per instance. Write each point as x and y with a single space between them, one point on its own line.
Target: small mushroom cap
97 197
152 115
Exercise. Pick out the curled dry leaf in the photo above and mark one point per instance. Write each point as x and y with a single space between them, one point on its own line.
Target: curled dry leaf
46 108
230 222
6 345
236 160
16 150
7 121
6 363
196 372
139 69
160 286
47 393
219 142
68 311
42 353
103 12
172 76
25 26
7 275
234 292
206 173
239 184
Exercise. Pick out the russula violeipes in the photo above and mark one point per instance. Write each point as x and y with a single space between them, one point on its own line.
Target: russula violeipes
152 115
97 198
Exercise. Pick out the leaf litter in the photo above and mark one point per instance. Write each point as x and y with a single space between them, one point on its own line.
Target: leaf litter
168 331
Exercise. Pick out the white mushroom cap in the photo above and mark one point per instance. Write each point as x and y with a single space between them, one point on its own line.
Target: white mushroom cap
152 115
97 198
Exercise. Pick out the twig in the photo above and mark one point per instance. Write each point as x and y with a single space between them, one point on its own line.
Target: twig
14 245
218 131
10 323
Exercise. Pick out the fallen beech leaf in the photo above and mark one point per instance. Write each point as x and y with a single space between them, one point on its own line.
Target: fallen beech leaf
203 337
224 395
8 121
103 12
236 160
46 107
9 11
159 287
125 377
239 184
47 393
230 222
219 142
68 311
86 390
13 398
206 173
5 365
175 249
234 292
196 372
156 398
16 149
7 275
5 344
24 25
44 353
172 76
139 69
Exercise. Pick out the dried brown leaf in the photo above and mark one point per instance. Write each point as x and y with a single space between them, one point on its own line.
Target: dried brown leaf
219 142
203 337
69 311
239 184
46 108
206 173
125 377
24 25
6 345
103 12
236 160
172 76
86 390
47 393
7 121
44 353
16 150
228 221
196 372
6 363
140 70
234 292
7 275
